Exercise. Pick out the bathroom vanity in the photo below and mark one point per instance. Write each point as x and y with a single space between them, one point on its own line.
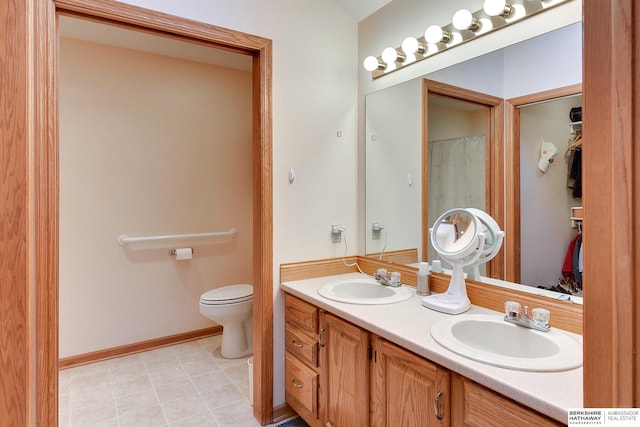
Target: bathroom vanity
377 365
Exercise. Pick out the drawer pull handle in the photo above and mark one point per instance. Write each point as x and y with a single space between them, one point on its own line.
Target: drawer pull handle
436 406
296 384
321 337
295 344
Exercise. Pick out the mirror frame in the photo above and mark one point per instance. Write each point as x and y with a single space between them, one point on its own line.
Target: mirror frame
512 183
494 160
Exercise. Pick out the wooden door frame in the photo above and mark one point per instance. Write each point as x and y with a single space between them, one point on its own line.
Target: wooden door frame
45 126
493 160
611 198
512 166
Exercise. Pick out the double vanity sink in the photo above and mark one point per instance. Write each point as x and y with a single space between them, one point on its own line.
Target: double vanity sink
486 338
541 370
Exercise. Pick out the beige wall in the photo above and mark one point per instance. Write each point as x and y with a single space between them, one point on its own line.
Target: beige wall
149 145
447 123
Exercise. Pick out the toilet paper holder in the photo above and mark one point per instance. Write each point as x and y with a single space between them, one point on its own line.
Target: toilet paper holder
173 252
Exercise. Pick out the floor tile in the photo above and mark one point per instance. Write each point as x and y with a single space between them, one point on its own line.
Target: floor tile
235 415
210 381
91 396
147 417
222 396
183 407
167 376
136 402
92 414
173 391
186 385
203 419
137 382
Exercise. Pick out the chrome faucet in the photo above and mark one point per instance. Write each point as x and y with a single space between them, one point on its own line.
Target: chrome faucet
388 279
539 321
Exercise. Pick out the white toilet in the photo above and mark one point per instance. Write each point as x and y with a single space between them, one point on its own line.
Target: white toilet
232 307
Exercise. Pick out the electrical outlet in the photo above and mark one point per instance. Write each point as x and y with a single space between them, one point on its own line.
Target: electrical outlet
336 233
376 229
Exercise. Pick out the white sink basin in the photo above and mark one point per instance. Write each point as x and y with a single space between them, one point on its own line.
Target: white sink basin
364 291
491 340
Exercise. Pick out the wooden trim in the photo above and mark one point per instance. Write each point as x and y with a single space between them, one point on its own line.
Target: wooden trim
371 265
512 184
310 269
110 353
425 172
495 169
262 235
494 200
122 14
41 116
512 190
611 195
17 330
46 171
282 412
401 256
564 315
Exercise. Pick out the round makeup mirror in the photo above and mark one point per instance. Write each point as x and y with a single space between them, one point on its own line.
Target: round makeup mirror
458 237
492 242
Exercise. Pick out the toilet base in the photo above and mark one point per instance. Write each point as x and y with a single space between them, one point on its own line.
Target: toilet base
237 339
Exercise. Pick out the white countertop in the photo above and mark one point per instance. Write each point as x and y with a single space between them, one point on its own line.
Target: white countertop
408 323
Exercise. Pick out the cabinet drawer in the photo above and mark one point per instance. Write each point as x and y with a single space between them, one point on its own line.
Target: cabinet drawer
300 345
301 313
301 383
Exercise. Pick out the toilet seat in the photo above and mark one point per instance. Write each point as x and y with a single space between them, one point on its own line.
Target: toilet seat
227 295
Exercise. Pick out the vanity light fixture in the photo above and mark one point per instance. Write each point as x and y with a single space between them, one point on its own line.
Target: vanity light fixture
391 56
497 8
411 46
464 20
465 26
371 63
435 34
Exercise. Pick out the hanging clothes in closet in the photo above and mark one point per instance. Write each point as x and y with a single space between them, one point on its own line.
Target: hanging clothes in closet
575 167
573 265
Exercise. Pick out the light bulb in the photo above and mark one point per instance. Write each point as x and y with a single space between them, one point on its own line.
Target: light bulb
390 55
497 8
371 63
464 20
411 45
435 34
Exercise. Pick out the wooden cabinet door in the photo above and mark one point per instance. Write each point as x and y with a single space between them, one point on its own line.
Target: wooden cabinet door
407 390
476 406
344 373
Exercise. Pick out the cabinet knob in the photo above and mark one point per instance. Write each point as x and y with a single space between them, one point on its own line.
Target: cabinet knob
296 384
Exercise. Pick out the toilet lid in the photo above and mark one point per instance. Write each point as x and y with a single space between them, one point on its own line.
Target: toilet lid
227 295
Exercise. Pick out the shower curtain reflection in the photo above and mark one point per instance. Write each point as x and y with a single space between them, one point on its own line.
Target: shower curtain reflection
456 175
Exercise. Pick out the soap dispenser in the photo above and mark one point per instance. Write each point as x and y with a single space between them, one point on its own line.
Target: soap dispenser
423 279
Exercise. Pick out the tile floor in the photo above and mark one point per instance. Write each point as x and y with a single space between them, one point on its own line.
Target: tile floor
188 384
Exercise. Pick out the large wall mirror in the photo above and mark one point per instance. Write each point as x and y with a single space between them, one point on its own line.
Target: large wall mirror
400 191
